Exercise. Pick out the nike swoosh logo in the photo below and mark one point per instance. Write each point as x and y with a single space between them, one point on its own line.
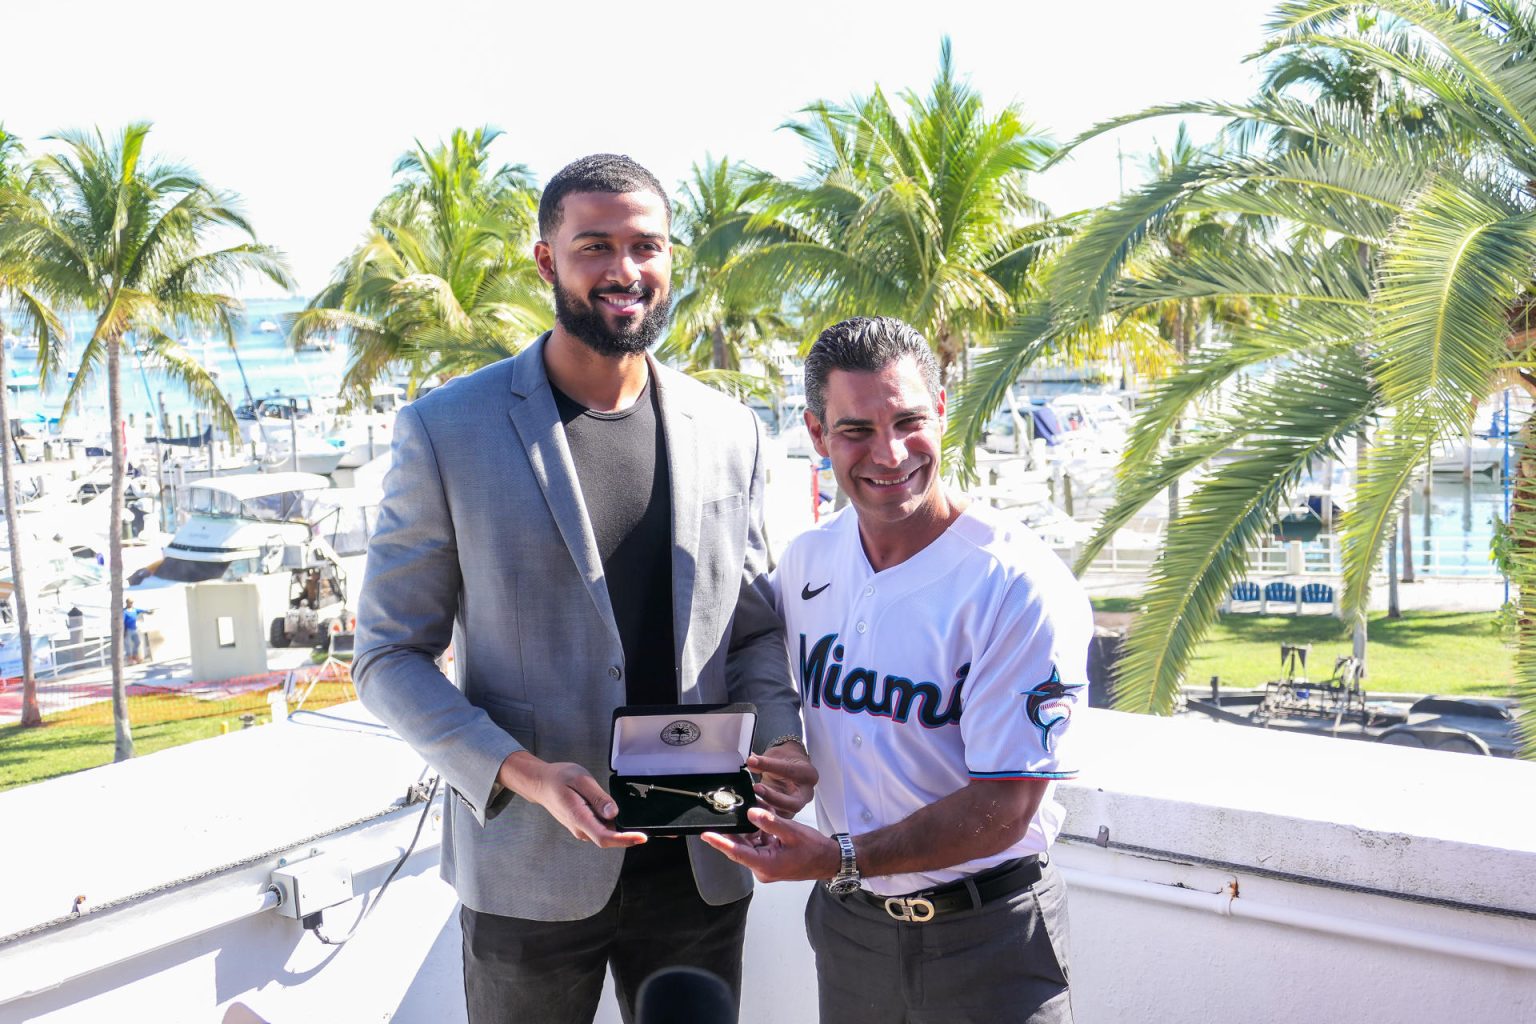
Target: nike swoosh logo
806 593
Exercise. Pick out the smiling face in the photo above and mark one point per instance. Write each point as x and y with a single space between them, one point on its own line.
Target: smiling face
883 430
610 262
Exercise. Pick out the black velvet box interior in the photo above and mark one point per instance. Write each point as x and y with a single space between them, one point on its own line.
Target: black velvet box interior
694 747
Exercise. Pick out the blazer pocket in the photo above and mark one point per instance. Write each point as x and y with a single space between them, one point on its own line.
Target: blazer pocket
515 716
720 506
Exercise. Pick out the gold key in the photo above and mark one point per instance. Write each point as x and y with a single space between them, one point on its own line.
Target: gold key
722 801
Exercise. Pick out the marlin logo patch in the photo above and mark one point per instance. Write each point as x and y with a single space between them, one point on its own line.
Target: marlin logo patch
1049 704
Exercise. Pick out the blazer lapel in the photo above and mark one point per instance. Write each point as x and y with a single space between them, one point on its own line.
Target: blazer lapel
683 470
538 425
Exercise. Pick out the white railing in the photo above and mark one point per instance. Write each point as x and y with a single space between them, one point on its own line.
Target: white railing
91 652
60 660
1434 557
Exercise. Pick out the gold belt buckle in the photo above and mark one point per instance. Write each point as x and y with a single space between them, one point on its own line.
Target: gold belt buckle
914 909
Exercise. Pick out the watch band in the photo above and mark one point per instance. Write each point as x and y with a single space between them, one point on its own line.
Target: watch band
787 738
848 865
847 878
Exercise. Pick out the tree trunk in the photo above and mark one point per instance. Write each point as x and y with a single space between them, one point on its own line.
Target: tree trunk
949 348
721 357
1362 444
1394 609
120 725
719 352
1407 531
1522 533
31 714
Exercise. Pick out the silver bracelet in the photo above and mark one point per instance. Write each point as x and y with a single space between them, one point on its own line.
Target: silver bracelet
788 738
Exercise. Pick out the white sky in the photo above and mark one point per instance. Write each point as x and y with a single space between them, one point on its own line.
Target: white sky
302 107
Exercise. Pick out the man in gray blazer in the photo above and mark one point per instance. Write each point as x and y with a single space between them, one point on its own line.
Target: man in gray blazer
585 527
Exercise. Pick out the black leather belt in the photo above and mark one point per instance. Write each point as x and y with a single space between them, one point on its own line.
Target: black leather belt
961 894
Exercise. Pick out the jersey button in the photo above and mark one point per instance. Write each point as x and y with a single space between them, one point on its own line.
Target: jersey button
868 815
861 627
868 591
858 740
613 671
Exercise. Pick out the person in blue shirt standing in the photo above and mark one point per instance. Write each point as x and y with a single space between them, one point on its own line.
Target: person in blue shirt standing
131 631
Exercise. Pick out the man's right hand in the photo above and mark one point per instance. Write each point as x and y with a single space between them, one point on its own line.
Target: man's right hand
788 777
570 794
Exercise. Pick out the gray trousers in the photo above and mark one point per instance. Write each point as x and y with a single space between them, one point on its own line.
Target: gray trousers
551 972
1002 963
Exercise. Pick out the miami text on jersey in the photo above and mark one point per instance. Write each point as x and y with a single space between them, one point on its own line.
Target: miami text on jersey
862 690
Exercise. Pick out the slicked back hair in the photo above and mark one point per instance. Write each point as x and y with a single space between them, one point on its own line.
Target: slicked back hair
865 344
600 172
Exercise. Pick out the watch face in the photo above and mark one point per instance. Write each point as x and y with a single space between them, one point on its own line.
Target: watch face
842 886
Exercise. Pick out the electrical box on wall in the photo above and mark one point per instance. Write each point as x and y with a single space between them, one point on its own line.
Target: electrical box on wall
309 886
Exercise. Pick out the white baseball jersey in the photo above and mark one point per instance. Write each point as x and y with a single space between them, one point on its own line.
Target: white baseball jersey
962 662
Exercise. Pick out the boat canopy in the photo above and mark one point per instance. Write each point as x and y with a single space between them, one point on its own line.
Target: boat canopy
244 486
267 497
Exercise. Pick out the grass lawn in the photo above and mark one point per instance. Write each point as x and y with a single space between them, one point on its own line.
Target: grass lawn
1422 652
82 737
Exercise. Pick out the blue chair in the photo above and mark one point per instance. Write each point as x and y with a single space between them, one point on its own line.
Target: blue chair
1315 594
1246 592
1278 591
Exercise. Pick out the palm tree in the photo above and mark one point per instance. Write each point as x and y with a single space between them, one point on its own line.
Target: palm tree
1399 262
126 237
720 319
1154 336
1180 236
34 315
922 213
444 282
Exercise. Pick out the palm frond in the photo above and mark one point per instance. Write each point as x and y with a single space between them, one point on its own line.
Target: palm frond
1452 56
1453 270
1306 412
993 372
738 385
1400 449
1088 269
164 354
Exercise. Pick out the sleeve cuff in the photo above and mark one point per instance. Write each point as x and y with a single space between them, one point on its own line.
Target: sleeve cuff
1020 774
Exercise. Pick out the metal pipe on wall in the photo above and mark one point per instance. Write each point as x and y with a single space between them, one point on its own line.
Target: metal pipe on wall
1228 905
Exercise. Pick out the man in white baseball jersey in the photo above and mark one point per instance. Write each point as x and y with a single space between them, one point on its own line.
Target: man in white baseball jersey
940 650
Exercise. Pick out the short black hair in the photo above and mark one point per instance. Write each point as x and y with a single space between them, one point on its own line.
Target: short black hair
866 344
600 172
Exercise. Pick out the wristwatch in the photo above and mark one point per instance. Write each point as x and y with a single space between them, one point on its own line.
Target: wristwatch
847 878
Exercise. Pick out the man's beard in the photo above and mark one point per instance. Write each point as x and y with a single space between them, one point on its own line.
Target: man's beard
585 321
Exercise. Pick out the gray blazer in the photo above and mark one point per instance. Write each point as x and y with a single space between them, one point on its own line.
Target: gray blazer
483 539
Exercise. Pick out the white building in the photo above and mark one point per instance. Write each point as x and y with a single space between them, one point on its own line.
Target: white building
1217 873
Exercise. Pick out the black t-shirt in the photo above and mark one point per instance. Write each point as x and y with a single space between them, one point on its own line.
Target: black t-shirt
621 464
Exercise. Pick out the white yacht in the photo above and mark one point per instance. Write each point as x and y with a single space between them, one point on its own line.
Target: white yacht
365 434
278 424
238 525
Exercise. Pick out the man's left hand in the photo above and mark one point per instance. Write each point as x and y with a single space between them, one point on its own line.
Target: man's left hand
784 851
788 778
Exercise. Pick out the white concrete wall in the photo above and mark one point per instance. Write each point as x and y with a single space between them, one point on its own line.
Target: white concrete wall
241 650
1189 809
